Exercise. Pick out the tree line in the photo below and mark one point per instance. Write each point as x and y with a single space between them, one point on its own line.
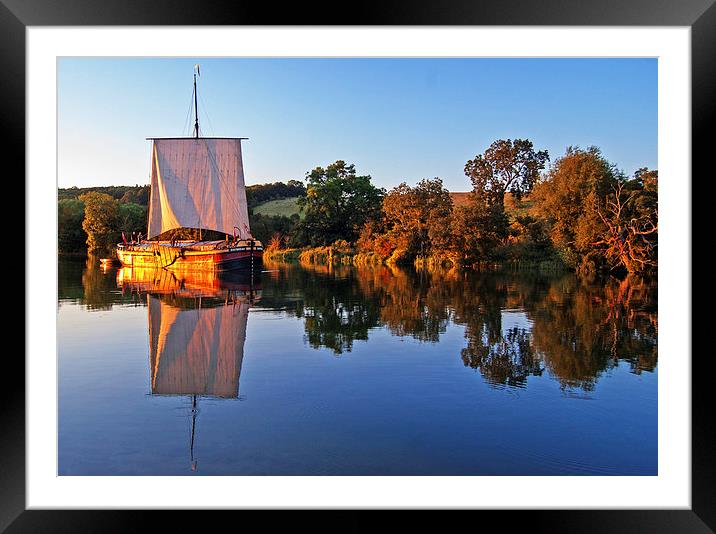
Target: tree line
579 211
93 219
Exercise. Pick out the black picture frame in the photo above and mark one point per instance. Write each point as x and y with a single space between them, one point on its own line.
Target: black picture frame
699 15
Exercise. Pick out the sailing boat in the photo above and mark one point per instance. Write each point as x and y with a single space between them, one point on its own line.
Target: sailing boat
198 214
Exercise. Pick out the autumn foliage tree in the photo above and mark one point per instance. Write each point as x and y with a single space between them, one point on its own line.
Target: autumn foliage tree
569 199
416 220
630 219
100 221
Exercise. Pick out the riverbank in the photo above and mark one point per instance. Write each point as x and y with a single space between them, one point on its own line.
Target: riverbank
343 254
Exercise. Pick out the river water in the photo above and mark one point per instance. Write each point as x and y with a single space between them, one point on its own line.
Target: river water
354 371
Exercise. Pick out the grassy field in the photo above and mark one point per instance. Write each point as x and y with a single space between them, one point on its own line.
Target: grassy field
283 206
459 199
513 206
288 206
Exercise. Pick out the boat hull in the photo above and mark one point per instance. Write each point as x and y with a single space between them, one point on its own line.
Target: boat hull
201 258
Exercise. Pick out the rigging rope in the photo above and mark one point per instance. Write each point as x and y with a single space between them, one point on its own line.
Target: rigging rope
185 128
206 113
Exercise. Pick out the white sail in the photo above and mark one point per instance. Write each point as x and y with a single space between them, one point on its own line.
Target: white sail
198 183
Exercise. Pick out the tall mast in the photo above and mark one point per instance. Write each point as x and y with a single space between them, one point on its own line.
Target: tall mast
193 430
196 110
196 135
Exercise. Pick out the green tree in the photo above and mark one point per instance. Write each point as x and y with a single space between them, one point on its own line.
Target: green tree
506 166
132 218
117 192
137 195
337 204
100 221
70 235
263 227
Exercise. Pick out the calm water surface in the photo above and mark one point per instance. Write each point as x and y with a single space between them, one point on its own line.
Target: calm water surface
346 371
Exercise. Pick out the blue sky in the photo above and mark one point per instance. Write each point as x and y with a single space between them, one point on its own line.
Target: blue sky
397 119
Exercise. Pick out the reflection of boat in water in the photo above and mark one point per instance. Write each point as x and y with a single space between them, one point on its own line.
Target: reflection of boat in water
197 330
190 284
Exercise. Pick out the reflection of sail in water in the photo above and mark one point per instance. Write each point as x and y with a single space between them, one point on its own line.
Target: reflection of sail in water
197 330
196 351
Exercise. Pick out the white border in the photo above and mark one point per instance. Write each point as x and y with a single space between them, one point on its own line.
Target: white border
671 488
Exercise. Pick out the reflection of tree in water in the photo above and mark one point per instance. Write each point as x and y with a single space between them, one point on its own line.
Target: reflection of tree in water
410 304
99 286
509 360
581 331
502 357
328 298
575 331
